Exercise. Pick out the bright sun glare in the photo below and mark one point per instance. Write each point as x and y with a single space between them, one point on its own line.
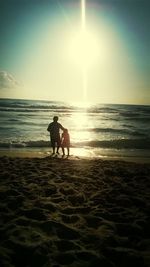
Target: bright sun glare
83 44
80 55
84 48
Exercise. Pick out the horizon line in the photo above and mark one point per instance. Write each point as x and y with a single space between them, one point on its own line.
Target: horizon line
75 102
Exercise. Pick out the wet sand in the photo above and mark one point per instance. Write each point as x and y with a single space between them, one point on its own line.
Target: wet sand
74 212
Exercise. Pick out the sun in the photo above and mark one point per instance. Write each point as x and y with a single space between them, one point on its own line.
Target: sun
83 48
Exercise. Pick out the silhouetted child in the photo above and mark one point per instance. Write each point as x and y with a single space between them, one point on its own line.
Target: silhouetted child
65 141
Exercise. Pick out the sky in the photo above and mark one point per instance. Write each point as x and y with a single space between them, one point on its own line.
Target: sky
75 50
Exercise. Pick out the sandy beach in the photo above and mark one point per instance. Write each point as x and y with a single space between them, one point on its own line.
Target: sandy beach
74 212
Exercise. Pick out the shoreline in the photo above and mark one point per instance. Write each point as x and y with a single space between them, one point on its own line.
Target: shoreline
138 156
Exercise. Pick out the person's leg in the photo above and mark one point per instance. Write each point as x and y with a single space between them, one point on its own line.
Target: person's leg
53 149
57 149
53 145
58 144
63 150
68 150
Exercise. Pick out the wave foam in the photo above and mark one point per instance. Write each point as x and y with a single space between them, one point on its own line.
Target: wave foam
117 144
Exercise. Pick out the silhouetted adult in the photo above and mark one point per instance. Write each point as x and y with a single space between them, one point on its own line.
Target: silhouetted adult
54 129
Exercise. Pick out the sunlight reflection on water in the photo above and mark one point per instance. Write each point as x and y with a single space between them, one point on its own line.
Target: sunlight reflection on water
81 123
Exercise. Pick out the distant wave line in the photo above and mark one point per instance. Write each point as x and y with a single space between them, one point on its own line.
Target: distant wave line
39 125
116 144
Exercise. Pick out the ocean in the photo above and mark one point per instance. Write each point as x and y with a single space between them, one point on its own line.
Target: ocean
99 130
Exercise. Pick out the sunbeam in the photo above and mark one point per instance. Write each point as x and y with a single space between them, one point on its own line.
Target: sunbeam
83 14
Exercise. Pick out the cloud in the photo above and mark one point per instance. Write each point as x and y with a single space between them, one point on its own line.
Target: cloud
7 81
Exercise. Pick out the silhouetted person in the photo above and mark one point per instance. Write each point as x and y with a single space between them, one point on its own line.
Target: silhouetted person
54 129
65 141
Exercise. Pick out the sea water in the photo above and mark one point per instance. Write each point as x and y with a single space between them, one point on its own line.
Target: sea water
100 129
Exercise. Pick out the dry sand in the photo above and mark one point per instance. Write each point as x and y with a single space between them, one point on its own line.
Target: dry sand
76 213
